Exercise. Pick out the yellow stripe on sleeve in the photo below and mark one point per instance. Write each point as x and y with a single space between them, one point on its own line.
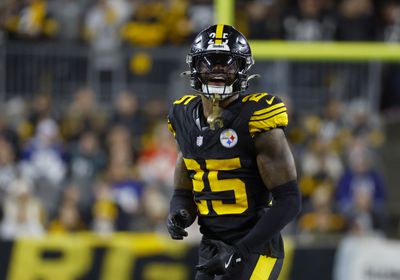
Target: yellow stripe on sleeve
170 128
263 268
219 33
268 115
185 99
269 109
254 97
280 120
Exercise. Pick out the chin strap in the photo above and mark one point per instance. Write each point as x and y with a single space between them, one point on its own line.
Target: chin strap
254 76
185 73
215 120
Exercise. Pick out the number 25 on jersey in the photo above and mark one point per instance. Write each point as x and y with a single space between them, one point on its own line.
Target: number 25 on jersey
227 196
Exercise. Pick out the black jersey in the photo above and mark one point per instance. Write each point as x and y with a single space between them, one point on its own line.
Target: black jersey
227 187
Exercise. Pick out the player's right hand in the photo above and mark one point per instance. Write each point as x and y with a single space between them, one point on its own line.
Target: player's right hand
225 258
176 224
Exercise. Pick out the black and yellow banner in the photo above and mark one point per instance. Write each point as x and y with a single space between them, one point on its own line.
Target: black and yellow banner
87 256
123 256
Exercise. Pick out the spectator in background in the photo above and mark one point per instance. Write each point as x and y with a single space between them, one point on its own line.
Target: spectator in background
84 113
68 218
16 114
179 24
87 160
125 189
23 212
364 124
127 193
391 79
148 18
309 22
34 20
104 210
126 113
119 145
361 174
8 134
8 168
320 217
201 15
391 22
363 218
332 123
9 10
44 163
319 140
155 204
161 21
332 127
69 16
42 108
102 25
156 110
263 20
356 21
158 154
319 163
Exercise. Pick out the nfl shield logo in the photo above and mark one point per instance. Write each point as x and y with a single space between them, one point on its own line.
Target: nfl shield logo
199 141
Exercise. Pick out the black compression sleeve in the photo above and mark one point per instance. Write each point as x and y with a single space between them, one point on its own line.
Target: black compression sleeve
183 199
286 205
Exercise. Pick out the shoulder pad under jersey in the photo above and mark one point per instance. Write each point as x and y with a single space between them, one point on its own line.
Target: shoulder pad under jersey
181 109
266 112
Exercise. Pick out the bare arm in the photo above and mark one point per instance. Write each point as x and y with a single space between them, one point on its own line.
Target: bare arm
277 169
183 209
181 175
274 159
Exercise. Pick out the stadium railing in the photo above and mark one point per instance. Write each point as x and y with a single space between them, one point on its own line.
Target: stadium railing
310 73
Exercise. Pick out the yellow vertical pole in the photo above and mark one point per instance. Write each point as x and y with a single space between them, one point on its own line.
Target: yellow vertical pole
224 11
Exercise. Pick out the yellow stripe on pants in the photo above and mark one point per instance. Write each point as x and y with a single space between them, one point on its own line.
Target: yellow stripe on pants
263 268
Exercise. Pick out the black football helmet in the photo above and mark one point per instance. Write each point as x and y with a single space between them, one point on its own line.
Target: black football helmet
219 59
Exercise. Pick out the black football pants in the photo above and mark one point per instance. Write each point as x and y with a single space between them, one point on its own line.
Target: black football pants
254 267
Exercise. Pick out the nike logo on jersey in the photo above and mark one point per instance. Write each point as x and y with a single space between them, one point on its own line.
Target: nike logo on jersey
270 101
228 262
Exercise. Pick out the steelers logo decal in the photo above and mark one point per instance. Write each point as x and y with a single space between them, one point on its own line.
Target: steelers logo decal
228 138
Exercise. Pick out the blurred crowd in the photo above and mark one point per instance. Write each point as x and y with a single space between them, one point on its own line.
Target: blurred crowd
82 166
340 169
108 167
110 23
85 167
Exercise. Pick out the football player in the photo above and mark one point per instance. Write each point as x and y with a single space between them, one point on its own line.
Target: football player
235 171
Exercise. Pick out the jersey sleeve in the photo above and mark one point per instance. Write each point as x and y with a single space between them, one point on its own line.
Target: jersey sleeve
170 127
171 120
269 113
177 112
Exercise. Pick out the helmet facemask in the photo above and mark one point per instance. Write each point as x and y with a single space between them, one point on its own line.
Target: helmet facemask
218 74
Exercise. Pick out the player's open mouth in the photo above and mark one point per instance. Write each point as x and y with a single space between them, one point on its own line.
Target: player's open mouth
217 81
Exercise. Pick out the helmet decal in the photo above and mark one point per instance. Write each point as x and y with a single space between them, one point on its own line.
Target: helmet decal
220 36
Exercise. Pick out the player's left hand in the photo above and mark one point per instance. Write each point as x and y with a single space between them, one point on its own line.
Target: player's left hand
226 257
176 224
